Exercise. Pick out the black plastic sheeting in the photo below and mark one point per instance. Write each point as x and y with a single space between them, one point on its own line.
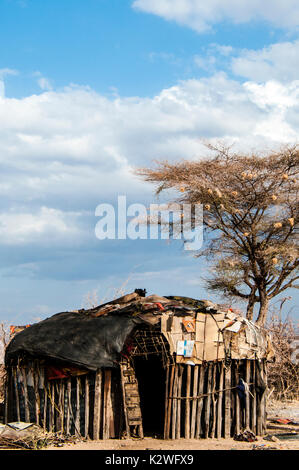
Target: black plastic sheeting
75 338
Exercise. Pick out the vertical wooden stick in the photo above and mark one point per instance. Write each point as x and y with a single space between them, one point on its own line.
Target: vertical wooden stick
107 425
166 400
194 402
220 401
77 418
169 407
237 400
200 401
179 394
227 419
97 404
207 405
174 403
253 401
247 398
69 406
214 400
14 371
45 399
27 413
187 407
36 394
86 420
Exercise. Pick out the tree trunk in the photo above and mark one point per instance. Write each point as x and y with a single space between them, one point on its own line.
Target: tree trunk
250 306
262 315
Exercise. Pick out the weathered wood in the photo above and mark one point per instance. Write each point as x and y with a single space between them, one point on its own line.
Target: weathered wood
69 406
246 422
227 405
6 399
254 400
27 412
169 407
174 404
15 381
60 417
214 401
179 393
166 400
194 402
200 401
52 407
86 410
264 406
187 407
97 404
36 394
43 377
207 403
107 404
237 400
220 402
77 416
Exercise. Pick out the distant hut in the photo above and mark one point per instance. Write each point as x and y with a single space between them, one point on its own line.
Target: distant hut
173 367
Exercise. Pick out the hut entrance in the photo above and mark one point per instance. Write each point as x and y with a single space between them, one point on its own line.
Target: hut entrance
151 382
150 355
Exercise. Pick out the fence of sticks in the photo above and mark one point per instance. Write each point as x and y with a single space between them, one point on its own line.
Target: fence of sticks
199 401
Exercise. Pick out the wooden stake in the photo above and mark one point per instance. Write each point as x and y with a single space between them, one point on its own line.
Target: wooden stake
179 393
214 401
86 421
166 400
207 403
220 401
169 408
107 425
194 402
45 399
36 394
27 412
237 400
69 406
247 398
200 402
174 403
97 404
14 372
253 401
187 407
227 419
77 418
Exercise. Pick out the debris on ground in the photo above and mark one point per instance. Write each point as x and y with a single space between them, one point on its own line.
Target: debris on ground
247 435
20 435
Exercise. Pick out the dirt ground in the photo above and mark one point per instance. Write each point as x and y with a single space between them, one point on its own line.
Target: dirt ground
275 410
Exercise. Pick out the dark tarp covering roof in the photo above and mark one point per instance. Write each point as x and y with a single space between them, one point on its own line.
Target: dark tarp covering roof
75 338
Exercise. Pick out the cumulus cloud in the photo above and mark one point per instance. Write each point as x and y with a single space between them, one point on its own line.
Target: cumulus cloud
200 15
278 61
64 152
44 225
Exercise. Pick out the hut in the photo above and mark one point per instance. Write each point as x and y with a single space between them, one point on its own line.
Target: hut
173 367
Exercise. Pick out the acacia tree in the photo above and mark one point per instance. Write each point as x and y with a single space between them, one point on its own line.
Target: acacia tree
250 207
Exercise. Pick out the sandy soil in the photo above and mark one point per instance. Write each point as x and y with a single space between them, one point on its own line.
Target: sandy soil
275 409
181 444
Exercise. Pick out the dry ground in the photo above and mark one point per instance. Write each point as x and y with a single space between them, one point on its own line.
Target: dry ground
275 409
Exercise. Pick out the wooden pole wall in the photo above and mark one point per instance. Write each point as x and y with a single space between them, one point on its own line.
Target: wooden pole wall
200 401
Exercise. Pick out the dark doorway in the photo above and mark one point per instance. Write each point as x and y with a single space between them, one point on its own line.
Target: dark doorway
151 382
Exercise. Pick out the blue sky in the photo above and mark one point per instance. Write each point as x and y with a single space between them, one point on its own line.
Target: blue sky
91 89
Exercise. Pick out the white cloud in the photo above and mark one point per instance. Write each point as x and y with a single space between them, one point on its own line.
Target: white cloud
278 61
46 224
65 152
200 15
